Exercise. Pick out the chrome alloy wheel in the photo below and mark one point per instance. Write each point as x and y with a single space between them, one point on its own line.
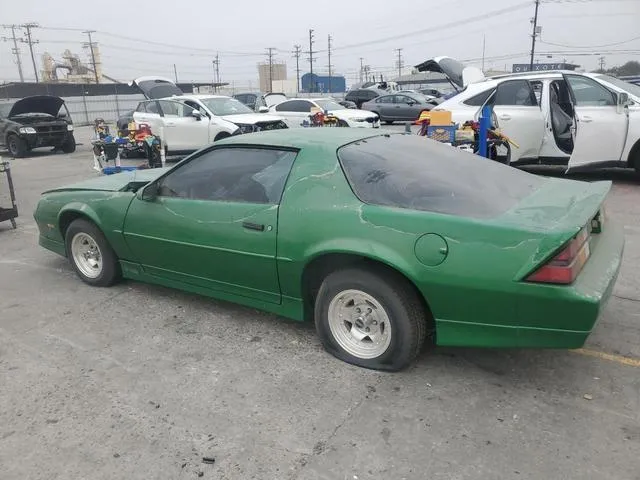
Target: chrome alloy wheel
359 324
86 255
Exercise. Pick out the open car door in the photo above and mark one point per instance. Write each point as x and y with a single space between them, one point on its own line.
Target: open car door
601 122
519 117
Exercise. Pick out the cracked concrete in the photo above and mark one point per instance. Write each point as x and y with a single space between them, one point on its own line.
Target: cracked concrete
141 382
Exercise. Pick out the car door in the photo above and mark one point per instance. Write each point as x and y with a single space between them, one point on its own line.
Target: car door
182 130
212 222
404 107
294 111
601 125
383 106
149 112
519 117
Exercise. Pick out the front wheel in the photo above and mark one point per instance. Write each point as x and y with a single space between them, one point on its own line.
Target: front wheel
69 145
90 254
17 146
370 320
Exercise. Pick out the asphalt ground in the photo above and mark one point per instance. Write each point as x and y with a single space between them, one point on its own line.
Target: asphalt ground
143 382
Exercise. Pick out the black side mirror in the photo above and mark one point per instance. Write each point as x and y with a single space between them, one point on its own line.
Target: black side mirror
149 193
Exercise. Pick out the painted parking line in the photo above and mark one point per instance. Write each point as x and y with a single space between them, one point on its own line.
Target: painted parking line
631 362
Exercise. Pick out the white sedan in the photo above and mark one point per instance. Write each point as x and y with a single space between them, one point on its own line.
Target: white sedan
582 120
298 110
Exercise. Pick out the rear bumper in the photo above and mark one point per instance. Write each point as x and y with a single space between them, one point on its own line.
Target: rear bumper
549 316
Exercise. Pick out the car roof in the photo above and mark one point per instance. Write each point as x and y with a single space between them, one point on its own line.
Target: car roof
326 138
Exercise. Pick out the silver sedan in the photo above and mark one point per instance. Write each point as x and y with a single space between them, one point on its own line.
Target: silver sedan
397 107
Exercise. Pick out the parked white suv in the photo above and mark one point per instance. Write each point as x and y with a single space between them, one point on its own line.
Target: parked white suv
582 120
187 123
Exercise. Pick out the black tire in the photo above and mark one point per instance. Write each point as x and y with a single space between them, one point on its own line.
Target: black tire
69 145
110 271
388 122
342 123
221 135
405 312
17 146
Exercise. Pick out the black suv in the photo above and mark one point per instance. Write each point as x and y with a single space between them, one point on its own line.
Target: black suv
39 121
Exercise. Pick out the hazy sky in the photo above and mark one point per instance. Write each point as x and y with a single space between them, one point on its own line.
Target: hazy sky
242 30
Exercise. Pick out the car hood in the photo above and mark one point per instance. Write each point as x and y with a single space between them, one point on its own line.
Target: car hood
458 73
37 104
251 118
156 87
115 183
272 99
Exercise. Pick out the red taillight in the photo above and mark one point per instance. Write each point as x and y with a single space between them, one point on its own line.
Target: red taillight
565 267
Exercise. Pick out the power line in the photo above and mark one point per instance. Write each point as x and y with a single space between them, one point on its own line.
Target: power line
399 62
270 57
296 54
534 34
329 66
591 46
311 60
31 42
93 55
15 50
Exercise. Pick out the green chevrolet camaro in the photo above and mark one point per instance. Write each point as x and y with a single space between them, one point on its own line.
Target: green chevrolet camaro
387 241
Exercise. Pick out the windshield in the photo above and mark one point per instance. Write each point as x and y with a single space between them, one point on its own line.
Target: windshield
221 106
621 84
327 104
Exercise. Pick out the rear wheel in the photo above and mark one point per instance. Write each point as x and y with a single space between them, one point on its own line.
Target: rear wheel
90 254
369 320
17 146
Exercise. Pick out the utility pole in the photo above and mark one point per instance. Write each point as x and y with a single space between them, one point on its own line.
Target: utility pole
602 62
330 66
312 86
296 54
216 72
15 50
399 62
93 55
31 42
534 35
361 69
484 44
270 57
175 72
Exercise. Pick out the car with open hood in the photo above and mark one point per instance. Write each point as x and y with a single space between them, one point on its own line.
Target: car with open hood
581 120
37 121
385 241
188 122
258 101
298 110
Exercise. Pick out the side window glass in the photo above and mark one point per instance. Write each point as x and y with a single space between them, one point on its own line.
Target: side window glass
284 107
169 108
536 85
479 99
185 110
251 175
515 93
589 93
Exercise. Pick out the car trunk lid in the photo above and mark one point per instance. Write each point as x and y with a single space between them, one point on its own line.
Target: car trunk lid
154 88
459 74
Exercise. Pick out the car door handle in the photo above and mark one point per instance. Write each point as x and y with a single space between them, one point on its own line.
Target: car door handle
253 226
505 117
586 119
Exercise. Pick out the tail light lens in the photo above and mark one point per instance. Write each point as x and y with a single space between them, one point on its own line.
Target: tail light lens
566 265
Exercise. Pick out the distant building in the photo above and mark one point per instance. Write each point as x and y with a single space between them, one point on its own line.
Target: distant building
322 83
278 72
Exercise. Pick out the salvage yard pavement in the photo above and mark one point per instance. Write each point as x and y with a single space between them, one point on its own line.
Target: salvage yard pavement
143 382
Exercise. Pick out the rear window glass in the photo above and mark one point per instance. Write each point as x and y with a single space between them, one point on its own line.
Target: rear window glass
408 171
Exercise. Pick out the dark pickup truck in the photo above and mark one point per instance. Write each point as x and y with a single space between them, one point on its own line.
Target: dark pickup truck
32 122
